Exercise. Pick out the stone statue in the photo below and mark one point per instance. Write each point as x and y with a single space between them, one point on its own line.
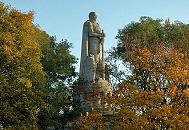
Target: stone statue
92 52
92 68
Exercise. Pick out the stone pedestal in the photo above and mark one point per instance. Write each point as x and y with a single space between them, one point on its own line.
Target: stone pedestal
91 95
92 91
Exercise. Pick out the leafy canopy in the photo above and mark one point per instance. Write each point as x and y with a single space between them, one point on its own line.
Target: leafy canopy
156 95
21 75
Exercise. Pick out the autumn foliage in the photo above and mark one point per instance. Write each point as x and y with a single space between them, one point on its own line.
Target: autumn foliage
156 95
31 62
35 70
21 74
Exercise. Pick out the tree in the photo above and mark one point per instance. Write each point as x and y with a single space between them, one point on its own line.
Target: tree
92 121
35 73
157 53
57 62
21 75
156 95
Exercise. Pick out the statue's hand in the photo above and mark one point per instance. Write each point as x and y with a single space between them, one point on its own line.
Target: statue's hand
103 34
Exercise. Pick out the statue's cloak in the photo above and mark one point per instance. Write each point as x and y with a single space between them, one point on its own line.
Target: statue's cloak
84 49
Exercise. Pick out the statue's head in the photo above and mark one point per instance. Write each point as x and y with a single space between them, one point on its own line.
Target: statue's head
92 16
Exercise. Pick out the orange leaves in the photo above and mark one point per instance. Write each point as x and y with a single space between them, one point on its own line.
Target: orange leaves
149 109
157 95
7 38
93 120
173 91
161 60
156 48
26 82
3 9
178 70
186 92
21 19
144 54
152 109
21 73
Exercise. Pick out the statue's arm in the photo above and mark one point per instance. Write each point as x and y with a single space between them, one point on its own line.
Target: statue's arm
91 32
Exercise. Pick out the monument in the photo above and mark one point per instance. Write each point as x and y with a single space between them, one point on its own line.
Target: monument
93 86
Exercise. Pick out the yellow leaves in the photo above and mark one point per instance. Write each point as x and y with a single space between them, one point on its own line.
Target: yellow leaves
21 73
7 50
15 14
19 47
91 120
173 91
2 8
7 38
26 82
21 19
187 82
158 56
186 92
141 57
161 60
14 21
178 71
145 53
154 108
159 91
149 109
11 53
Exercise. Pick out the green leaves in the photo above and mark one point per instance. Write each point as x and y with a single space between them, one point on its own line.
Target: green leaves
35 72
58 63
22 77
157 94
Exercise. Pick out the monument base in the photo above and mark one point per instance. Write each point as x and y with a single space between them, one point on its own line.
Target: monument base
92 95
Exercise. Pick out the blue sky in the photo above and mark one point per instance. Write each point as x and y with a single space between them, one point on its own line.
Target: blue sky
65 18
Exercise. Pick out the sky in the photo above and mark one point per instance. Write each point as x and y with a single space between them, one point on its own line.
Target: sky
64 18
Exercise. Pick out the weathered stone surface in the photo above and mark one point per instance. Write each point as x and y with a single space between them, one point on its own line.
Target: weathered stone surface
104 86
92 52
94 87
